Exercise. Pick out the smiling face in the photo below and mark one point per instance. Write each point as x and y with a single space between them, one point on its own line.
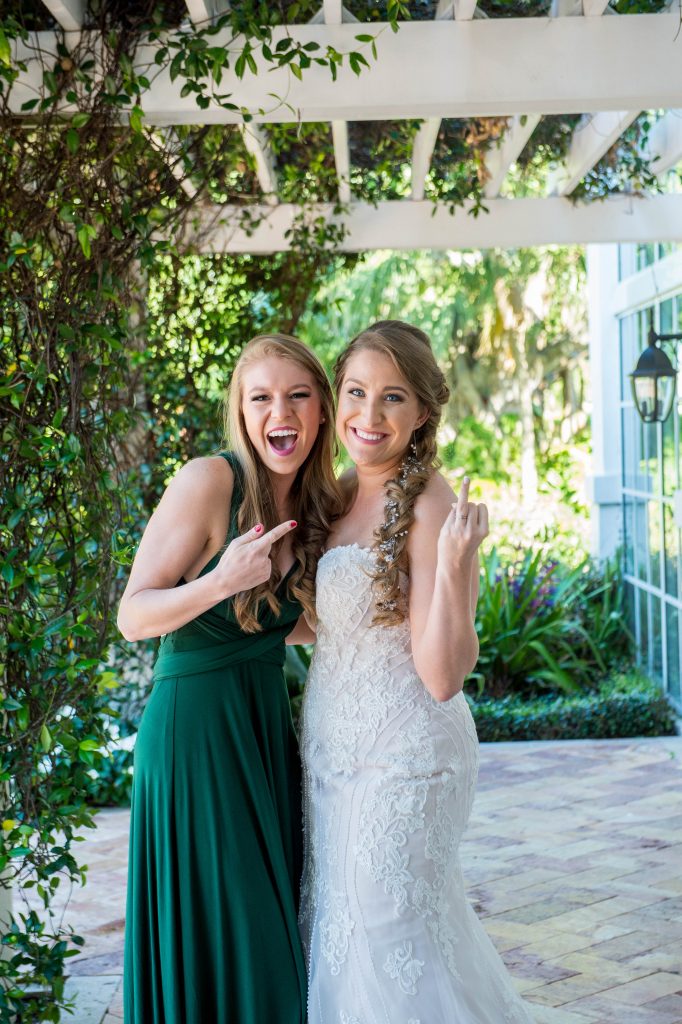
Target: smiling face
378 411
282 411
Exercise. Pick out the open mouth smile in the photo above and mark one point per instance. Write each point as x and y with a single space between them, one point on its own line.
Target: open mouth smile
283 440
368 436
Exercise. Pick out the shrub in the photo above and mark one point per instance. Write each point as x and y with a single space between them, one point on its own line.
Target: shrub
626 705
543 626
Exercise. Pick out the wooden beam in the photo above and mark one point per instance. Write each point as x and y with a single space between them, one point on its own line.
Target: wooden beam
664 147
203 12
70 14
461 10
436 69
511 223
422 151
346 18
592 137
342 158
258 145
500 158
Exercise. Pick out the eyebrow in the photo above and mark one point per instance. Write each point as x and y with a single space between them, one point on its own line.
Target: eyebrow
389 387
292 388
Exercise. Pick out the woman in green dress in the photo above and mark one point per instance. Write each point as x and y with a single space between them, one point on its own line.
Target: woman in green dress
224 570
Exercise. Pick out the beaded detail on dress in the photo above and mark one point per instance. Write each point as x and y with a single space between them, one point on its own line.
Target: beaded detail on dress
389 779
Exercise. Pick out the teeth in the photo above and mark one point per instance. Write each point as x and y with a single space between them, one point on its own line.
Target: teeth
367 436
283 432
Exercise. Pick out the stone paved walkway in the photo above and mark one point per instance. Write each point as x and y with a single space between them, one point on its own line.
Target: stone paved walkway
573 858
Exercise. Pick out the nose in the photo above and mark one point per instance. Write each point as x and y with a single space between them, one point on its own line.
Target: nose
280 407
373 411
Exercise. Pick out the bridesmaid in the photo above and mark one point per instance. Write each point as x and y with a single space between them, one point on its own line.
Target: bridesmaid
224 570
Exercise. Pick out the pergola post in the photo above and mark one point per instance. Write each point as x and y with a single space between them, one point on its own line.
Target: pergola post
604 483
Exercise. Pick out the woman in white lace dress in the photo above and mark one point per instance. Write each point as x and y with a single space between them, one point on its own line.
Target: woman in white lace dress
389 745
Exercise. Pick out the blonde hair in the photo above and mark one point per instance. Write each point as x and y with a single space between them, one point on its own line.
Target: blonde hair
410 351
315 492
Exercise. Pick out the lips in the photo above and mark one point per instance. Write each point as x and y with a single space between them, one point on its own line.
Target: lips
283 440
368 436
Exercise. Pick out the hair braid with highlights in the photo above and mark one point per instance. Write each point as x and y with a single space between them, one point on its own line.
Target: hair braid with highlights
410 351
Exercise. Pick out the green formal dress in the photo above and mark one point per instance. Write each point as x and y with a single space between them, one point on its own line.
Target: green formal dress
215 837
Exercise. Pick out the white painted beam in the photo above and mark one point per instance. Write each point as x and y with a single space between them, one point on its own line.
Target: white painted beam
511 223
258 145
592 138
422 151
332 7
202 12
342 158
462 10
664 147
594 8
500 158
70 14
438 69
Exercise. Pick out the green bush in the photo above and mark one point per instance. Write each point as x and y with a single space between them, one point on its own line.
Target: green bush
543 626
627 705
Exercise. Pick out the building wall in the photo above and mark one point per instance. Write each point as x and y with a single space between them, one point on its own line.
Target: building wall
637 484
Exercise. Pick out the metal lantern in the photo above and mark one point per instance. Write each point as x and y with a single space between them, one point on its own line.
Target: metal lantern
653 380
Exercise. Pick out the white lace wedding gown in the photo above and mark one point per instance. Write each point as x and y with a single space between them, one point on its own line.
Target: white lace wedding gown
389 774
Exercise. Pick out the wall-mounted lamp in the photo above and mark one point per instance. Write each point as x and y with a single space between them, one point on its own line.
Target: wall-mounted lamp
653 379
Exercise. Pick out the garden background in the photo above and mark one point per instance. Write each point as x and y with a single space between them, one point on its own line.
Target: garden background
118 341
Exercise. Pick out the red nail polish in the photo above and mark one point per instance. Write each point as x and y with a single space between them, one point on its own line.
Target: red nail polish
259 528
293 523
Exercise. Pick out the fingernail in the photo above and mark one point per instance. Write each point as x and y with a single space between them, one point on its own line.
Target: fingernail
467 480
258 528
293 523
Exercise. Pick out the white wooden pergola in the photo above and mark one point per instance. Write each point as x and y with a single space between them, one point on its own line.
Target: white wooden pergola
577 60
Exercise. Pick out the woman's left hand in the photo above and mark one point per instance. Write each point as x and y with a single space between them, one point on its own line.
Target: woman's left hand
462 532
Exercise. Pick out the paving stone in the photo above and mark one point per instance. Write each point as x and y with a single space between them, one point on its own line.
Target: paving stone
573 854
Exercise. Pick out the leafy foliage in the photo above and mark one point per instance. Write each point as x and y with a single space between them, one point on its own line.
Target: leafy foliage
626 705
94 408
543 626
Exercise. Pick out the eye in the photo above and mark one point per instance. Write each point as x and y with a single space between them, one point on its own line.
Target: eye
394 398
356 392
301 394
259 398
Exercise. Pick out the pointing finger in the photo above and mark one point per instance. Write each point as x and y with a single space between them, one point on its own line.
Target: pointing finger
253 534
277 532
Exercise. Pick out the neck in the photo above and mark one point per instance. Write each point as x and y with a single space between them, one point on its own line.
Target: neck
281 491
371 479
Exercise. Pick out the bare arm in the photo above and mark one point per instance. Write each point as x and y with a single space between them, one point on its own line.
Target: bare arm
302 633
444 582
181 534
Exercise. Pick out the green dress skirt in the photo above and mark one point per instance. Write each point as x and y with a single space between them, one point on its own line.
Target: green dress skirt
215 838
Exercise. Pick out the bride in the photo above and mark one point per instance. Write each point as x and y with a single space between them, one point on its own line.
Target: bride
389 745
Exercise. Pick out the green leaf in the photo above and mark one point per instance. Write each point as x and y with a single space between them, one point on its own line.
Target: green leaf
5 49
72 141
45 739
80 120
136 115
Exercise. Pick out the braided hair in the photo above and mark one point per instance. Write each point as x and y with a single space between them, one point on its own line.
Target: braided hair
410 351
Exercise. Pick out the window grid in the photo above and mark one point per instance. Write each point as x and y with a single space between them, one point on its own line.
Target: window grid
645 464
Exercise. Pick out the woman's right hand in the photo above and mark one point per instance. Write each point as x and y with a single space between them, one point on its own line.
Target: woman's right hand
246 561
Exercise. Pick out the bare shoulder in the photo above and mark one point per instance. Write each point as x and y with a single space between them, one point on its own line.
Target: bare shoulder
205 483
206 474
433 505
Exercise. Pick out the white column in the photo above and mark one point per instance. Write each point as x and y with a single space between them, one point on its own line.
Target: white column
604 483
